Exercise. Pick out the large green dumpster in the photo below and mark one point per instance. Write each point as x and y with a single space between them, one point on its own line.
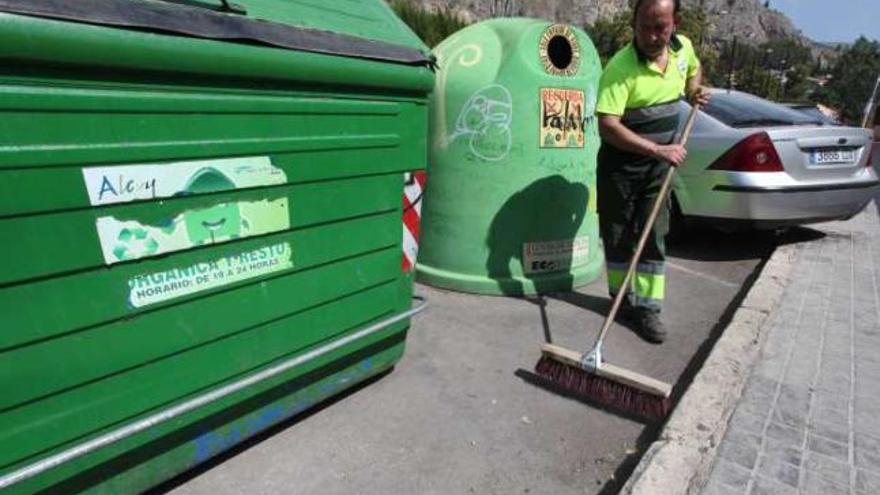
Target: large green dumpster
191 196
510 207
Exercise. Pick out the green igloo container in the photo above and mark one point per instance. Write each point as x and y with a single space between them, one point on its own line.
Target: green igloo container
510 203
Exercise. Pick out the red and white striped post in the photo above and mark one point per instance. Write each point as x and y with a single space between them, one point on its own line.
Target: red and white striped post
414 186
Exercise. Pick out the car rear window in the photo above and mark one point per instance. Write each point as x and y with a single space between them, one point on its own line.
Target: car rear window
815 113
743 110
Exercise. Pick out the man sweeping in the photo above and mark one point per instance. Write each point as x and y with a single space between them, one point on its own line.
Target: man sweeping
638 107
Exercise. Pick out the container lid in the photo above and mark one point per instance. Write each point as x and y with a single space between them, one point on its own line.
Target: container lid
369 30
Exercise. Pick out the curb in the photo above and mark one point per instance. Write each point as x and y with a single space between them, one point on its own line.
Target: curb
680 460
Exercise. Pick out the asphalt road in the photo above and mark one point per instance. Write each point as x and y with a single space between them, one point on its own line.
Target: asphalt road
461 412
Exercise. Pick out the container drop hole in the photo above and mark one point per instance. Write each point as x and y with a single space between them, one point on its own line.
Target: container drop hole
559 52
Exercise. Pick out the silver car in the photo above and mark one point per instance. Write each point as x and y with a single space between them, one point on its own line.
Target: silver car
758 164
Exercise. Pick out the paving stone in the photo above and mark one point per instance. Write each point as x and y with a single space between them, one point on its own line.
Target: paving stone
790 415
828 447
785 433
867 375
837 354
759 389
867 482
867 357
833 431
784 452
826 468
746 421
831 415
731 474
867 366
867 450
769 486
716 488
795 395
837 399
866 422
864 425
779 470
814 485
770 366
869 404
832 382
742 454
800 375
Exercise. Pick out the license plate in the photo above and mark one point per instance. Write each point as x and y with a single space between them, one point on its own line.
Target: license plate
822 157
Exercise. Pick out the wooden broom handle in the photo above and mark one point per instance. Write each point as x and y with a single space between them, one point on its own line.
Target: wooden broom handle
658 203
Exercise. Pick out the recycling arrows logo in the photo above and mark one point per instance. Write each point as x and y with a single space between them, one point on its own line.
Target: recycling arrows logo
134 243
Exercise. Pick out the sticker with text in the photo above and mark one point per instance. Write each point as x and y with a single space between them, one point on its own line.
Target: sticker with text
152 288
555 256
562 118
125 183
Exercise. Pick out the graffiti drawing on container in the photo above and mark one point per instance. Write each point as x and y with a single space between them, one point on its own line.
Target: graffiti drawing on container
562 118
463 56
485 120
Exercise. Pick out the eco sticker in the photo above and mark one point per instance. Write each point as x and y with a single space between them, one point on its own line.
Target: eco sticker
125 183
155 287
562 118
554 256
124 240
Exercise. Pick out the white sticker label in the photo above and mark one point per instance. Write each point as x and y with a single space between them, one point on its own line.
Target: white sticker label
124 183
124 240
161 286
554 256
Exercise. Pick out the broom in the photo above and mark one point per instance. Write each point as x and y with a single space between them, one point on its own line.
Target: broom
588 375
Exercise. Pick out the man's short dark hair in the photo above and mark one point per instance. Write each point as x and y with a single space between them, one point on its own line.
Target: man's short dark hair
638 4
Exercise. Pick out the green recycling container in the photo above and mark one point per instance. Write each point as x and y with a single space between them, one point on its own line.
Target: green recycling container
192 194
510 203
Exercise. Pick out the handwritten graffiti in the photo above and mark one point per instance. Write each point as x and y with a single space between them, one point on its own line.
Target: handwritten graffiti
485 120
462 56
590 107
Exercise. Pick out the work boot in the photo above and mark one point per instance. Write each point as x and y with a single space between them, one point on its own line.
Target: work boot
649 326
626 313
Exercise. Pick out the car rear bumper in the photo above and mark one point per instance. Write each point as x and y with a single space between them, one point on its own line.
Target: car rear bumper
773 206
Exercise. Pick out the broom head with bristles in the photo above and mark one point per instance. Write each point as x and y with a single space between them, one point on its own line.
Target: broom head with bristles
611 386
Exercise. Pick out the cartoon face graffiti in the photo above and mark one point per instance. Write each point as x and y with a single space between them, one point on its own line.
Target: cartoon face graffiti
486 119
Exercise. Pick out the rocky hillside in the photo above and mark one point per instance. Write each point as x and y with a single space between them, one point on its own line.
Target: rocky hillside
749 20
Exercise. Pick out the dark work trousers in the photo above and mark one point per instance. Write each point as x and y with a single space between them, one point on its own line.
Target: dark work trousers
626 195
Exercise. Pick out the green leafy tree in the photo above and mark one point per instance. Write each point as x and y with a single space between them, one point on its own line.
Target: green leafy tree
611 34
853 77
777 70
431 27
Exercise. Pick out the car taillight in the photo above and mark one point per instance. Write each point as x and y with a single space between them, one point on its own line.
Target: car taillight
755 153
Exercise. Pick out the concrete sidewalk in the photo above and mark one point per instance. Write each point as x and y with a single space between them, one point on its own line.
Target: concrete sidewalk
809 418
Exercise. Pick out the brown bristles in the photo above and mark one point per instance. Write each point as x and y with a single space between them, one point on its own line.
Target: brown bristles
614 395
